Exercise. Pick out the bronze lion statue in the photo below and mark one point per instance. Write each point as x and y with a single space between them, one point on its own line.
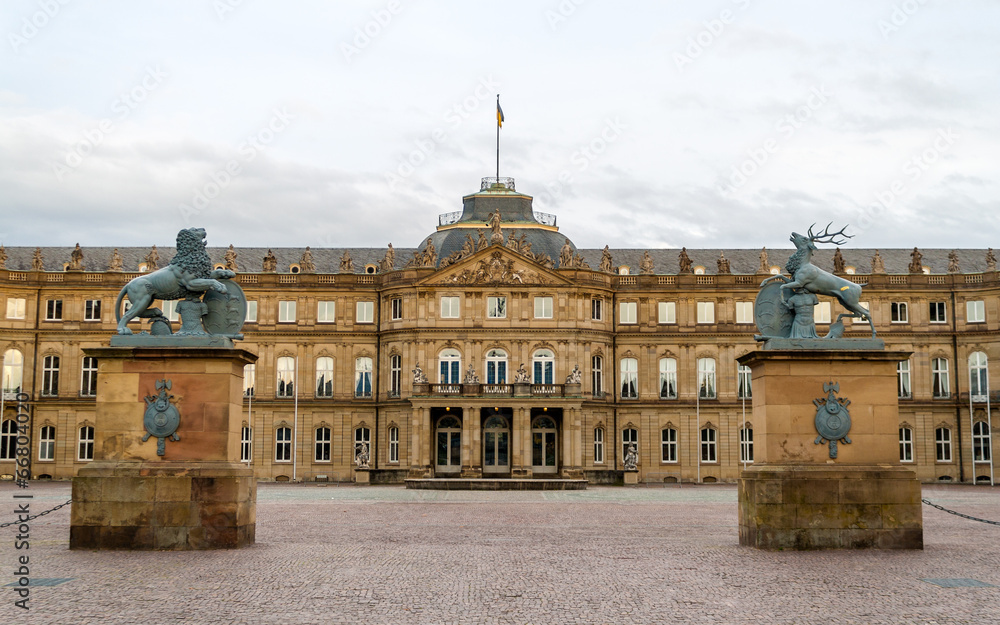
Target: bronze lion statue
189 274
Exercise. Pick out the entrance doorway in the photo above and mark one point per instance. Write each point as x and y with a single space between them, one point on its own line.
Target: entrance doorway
448 450
496 441
544 447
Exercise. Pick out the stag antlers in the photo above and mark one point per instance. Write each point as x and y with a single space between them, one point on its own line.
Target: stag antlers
829 237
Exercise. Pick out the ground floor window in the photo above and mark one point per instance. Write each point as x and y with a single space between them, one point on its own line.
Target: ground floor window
746 444
47 443
246 444
709 445
598 446
394 445
630 436
322 444
283 445
85 444
942 444
668 445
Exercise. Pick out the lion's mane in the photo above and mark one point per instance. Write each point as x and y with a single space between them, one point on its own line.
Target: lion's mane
191 255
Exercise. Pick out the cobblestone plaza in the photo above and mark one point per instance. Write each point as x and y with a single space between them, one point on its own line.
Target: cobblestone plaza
348 554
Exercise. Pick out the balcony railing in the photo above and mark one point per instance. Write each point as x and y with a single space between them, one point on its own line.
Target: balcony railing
500 390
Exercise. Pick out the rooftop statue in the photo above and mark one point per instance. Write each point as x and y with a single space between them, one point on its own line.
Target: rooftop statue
347 263
646 264
38 261
684 261
916 261
152 260
230 258
765 265
117 262
3 257
306 264
784 307
991 260
76 259
607 264
213 305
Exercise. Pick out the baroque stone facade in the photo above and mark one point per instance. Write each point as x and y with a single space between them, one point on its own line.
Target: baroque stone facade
657 353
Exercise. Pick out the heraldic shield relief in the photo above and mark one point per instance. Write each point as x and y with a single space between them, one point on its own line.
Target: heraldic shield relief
161 418
833 421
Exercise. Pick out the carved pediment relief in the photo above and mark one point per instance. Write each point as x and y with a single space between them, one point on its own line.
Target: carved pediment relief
669 425
282 424
322 424
494 266
393 424
629 426
362 424
599 425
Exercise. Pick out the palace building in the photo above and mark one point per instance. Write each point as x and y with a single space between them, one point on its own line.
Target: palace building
496 348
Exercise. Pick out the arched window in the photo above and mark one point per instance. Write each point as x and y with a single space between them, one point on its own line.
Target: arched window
598 445
50 376
324 377
322 444
630 378
363 377
450 367
981 442
979 383
543 364
746 444
905 445
939 377
85 444
283 445
942 444
706 378
286 377
496 366
668 378
668 445
8 440
13 371
47 443
630 436
709 445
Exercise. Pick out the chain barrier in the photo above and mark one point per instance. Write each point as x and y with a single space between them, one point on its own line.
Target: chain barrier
35 516
964 516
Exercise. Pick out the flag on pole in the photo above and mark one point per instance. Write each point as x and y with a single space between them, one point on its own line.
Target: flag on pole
499 115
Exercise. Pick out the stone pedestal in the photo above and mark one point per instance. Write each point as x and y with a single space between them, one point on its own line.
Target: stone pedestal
197 495
795 496
631 478
362 476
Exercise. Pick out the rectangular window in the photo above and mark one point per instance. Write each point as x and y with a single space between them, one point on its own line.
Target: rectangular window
395 375
326 312
88 378
449 307
744 312
283 445
53 310
746 445
975 311
365 312
85 444
251 311
363 377
706 312
709 445
630 378
286 377
668 445
543 308
249 380
668 378
939 378
899 313
393 445
396 308
286 311
942 444
744 390
597 309
628 311
246 444
822 313
92 310
905 445
666 312
903 379
597 375
981 449
324 376
706 378
47 443
496 307
15 307
937 313
598 446
322 445
50 376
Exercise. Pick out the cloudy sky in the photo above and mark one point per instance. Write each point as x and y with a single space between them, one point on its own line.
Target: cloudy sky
637 123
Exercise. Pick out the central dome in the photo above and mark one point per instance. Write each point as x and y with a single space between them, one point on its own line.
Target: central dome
517 219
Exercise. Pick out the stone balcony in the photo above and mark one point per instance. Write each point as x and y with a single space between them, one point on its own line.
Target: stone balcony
498 390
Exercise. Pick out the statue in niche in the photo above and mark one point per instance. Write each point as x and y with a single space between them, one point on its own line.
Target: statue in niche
607 264
270 262
765 264
76 259
784 306
575 376
346 263
878 266
37 261
991 260
646 264
152 260
953 265
631 459
482 242
684 261
3 257
494 223
916 261
838 262
306 264
117 262
230 258
723 263
566 255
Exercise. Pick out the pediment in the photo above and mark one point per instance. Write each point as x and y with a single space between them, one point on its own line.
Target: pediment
494 265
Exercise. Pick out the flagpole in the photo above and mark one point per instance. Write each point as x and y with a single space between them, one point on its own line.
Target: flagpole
498 139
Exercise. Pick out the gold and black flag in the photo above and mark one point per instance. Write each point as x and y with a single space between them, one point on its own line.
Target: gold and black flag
499 114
